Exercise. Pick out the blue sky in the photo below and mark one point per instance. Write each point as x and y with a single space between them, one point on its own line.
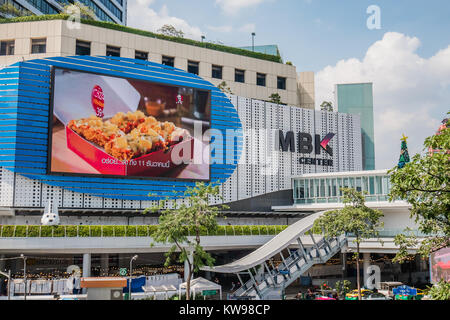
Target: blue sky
316 33
407 60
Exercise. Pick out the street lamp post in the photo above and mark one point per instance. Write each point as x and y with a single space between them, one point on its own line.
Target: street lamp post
253 41
131 274
24 275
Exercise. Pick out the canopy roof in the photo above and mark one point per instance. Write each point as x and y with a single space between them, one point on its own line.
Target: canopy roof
200 284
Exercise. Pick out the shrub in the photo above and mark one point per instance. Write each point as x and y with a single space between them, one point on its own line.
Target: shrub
33 231
46 231
21 231
264 230
220 231
71 231
8 231
229 230
203 231
119 231
152 229
131 231
142 231
83 231
246 230
108 231
113 26
254 230
272 230
59 231
96 231
238 230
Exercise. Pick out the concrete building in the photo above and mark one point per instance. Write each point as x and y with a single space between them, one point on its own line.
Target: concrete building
357 98
105 10
244 74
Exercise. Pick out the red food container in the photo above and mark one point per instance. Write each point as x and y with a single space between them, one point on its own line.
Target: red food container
154 164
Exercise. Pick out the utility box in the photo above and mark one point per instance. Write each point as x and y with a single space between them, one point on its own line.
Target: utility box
104 288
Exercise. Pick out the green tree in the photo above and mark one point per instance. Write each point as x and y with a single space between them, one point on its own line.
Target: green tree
425 184
84 11
356 219
326 106
342 287
440 291
196 217
275 98
171 31
223 86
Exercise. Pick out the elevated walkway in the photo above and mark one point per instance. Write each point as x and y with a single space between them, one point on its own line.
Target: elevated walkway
275 279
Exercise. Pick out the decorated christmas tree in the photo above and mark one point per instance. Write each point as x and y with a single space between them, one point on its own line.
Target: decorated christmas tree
404 155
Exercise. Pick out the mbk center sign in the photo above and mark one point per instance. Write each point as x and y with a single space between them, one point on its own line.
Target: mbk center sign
306 146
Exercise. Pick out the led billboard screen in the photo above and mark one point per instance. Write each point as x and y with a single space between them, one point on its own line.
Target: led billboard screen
103 125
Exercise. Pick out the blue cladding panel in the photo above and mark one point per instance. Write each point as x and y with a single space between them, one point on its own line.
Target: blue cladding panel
24 110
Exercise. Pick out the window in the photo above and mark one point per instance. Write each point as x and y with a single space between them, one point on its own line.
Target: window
216 72
141 55
7 48
112 51
83 48
261 79
193 67
239 75
168 61
38 45
281 83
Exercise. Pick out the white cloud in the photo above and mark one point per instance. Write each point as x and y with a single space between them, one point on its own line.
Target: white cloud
222 29
411 93
142 16
248 28
233 6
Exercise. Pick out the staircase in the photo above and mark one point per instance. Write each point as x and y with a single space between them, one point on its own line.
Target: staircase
292 268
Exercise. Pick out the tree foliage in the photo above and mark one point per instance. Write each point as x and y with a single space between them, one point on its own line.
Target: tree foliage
170 31
425 184
77 7
342 287
223 86
355 219
275 98
440 291
326 106
195 215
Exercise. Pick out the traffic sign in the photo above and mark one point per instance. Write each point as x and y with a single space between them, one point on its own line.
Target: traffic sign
123 271
405 291
209 292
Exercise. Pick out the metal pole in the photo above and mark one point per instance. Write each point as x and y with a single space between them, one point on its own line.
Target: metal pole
24 276
129 284
9 285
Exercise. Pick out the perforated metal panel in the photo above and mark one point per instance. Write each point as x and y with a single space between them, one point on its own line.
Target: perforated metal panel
24 91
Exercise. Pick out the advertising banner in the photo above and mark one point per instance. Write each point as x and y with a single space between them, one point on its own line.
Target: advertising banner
102 125
440 265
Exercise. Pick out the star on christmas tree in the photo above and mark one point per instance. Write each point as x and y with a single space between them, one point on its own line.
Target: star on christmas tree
404 155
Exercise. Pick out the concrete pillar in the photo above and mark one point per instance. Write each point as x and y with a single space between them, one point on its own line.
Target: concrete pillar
86 266
104 263
2 268
366 265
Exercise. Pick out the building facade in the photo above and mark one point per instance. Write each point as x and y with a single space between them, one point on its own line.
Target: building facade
105 10
357 98
245 75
